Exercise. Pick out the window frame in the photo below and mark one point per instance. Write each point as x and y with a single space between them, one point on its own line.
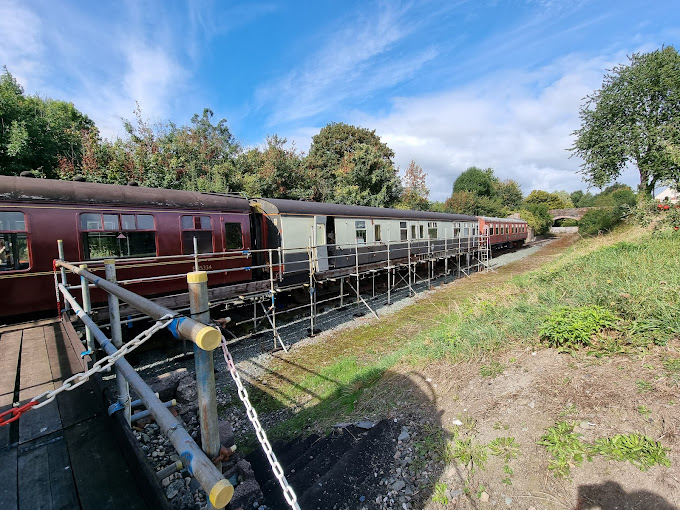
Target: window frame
15 233
359 228
226 236
189 250
120 230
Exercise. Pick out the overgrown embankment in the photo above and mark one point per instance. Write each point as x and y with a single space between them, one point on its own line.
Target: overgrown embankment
485 365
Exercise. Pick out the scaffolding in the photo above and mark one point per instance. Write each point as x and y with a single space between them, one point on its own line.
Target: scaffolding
390 265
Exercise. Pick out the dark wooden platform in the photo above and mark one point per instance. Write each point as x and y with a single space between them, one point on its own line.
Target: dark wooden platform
64 454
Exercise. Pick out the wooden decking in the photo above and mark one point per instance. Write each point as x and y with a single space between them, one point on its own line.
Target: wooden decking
64 454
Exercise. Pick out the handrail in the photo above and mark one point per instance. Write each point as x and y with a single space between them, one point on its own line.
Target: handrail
219 490
205 337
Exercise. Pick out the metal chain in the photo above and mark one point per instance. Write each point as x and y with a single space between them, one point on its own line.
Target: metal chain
288 493
103 364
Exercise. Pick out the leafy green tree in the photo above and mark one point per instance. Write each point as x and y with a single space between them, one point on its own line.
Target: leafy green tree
349 164
538 218
598 221
461 202
274 171
35 133
633 119
549 200
565 197
414 196
477 181
510 194
581 199
365 178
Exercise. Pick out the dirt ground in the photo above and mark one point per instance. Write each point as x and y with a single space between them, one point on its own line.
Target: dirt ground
520 393
535 390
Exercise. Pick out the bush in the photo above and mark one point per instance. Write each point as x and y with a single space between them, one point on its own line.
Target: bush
570 328
596 221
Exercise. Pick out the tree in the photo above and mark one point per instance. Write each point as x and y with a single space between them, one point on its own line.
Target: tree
510 194
538 218
35 133
565 197
415 194
549 200
365 178
349 164
274 171
633 119
477 181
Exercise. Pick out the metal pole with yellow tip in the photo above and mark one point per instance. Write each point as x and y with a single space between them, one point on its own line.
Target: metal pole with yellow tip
205 369
206 337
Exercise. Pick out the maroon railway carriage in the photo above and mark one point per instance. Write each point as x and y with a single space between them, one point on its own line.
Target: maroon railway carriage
503 232
126 223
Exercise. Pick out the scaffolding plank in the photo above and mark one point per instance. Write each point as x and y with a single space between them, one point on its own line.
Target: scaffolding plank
10 346
76 405
102 477
35 378
33 477
8 478
45 477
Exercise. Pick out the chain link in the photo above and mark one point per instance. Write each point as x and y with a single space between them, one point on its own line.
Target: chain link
103 364
288 493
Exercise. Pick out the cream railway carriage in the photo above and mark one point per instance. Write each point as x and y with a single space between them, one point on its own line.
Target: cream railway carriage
336 233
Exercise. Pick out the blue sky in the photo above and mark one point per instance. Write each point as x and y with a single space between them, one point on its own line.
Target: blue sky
447 84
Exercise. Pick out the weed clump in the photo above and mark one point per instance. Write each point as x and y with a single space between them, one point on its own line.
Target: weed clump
566 448
640 450
570 328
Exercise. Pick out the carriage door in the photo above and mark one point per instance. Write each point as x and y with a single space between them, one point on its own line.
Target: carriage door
320 243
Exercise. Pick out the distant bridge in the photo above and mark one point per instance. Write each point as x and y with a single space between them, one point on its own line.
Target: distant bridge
573 214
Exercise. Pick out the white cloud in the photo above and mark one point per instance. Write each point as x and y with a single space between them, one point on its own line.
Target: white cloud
354 63
517 122
21 45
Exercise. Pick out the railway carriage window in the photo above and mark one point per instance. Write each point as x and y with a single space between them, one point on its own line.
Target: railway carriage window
466 231
403 231
14 251
117 235
422 231
233 236
432 230
376 231
360 228
413 232
456 230
199 227
496 229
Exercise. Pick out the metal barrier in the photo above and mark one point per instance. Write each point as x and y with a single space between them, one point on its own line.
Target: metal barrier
205 339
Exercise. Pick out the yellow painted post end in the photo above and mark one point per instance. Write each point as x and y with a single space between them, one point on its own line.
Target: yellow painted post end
197 277
109 261
208 338
221 493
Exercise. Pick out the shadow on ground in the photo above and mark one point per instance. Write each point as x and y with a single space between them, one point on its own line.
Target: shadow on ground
361 463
